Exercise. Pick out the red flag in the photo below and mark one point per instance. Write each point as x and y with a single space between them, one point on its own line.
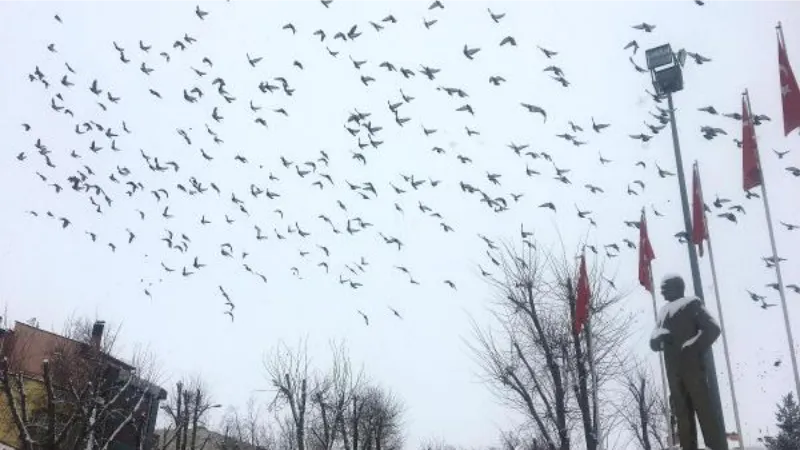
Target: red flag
699 227
582 299
645 256
750 171
790 94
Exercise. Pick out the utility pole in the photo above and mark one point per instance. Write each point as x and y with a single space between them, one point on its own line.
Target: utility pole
666 72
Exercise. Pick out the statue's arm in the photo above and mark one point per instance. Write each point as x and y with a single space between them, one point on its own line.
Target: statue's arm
708 329
657 338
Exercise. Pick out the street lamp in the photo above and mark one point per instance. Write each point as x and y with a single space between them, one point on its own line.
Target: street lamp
667 75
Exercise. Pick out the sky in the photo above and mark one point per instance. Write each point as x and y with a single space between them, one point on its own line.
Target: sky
52 273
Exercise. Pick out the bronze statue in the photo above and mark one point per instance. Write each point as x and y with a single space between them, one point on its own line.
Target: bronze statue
684 332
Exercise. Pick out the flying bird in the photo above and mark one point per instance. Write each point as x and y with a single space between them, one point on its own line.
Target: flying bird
535 109
646 27
508 40
597 127
780 154
636 66
698 58
253 61
548 53
470 52
394 311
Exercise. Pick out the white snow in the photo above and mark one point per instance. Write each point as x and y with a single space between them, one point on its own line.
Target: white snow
692 339
658 332
669 276
674 307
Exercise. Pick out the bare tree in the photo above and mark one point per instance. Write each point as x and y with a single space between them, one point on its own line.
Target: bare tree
87 399
287 371
522 439
187 411
642 409
287 436
435 443
608 333
331 398
248 431
535 362
381 420
332 409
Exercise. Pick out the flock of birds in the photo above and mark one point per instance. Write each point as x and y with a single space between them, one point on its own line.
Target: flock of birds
91 172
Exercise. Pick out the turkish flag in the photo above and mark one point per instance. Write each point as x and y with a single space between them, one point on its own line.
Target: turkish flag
582 299
699 227
750 171
645 256
790 94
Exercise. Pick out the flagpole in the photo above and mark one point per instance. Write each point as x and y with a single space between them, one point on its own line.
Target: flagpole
663 372
596 408
775 255
708 357
721 321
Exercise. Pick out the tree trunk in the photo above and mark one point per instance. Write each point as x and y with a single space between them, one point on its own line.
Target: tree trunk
22 429
178 416
355 423
301 421
555 374
644 415
51 407
187 410
343 428
196 418
582 393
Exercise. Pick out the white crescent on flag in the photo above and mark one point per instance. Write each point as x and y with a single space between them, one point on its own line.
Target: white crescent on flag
784 75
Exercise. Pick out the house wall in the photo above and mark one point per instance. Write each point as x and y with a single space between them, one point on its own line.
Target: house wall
27 347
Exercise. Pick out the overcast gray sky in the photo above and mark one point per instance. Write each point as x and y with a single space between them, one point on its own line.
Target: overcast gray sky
51 273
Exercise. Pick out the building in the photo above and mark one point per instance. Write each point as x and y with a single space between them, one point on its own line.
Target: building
74 362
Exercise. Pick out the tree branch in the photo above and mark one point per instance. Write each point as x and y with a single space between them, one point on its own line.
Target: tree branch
125 421
22 429
51 407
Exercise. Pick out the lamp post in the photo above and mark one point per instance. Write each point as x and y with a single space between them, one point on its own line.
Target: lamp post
666 72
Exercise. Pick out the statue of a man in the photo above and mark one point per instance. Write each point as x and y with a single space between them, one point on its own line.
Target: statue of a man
684 332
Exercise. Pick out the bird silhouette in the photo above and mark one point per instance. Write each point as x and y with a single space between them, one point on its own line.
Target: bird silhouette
470 52
548 53
394 311
597 127
780 154
253 61
508 40
644 27
632 44
535 109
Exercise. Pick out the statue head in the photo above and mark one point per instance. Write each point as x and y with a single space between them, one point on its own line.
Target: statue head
672 287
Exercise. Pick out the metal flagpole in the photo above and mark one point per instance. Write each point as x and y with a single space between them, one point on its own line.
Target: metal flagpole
711 371
721 320
776 261
590 353
663 372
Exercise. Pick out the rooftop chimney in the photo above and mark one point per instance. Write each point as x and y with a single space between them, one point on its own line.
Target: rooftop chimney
97 334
